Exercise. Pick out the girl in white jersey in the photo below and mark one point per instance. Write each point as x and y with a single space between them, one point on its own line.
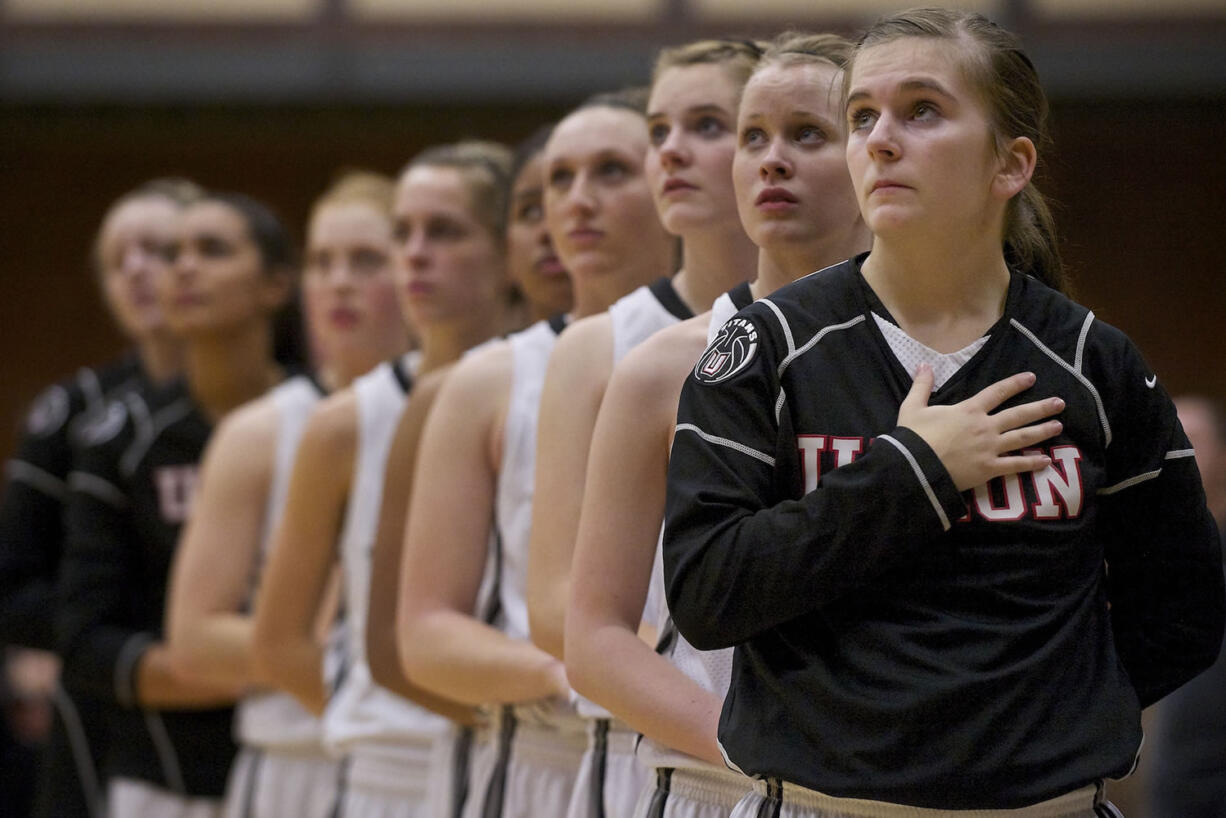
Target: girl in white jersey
478 450
354 321
447 216
696 88
546 291
796 202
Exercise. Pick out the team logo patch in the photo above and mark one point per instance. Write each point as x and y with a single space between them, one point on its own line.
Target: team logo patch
103 424
48 413
731 351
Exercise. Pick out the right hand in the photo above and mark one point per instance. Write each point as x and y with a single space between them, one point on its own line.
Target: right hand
971 443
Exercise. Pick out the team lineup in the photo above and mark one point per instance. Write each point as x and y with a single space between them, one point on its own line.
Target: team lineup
729 448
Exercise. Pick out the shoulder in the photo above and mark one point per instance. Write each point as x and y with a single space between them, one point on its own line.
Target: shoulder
587 333
667 356
333 426
49 413
584 351
249 429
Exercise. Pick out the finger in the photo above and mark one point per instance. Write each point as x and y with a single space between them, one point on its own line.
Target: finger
1029 435
992 396
1027 413
921 388
1019 463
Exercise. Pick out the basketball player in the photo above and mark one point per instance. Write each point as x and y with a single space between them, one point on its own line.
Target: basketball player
479 449
354 320
796 202
130 494
447 228
129 253
876 445
546 291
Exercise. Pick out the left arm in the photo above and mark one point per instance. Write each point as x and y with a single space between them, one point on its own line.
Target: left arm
1164 559
209 633
575 382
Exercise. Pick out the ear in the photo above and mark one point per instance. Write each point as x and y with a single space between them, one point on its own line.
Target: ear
276 287
1017 162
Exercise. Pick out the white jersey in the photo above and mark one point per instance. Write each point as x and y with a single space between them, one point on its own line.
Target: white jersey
710 669
362 717
530 352
275 720
636 317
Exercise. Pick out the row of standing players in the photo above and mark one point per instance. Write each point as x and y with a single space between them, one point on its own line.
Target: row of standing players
366 591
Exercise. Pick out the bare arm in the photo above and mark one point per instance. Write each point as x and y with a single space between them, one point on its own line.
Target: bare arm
444 646
286 652
578 372
208 633
381 649
623 510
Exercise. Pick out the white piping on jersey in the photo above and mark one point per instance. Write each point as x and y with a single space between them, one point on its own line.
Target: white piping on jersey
33 476
78 744
98 487
923 478
1081 340
91 388
149 429
793 352
728 761
1076 373
1174 454
129 653
166 752
731 444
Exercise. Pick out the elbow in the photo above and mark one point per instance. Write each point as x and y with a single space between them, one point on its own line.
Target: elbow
382 656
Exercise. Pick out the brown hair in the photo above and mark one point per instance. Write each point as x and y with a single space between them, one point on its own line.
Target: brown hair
486 168
1017 106
736 57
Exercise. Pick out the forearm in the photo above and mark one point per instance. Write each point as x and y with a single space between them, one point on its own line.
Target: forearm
295 665
159 686
215 649
725 539
615 668
455 655
547 614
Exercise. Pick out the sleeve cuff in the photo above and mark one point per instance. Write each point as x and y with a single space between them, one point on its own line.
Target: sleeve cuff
946 501
125 667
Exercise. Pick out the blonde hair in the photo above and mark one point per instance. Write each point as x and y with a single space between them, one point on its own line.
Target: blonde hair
737 57
357 187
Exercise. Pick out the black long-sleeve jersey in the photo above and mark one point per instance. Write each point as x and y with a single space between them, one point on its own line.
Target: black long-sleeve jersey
901 641
32 511
129 494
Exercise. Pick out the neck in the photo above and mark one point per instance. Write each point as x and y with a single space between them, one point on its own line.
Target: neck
444 343
600 290
944 298
225 371
161 356
714 263
778 266
341 370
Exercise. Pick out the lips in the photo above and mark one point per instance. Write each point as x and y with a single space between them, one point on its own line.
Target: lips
887 184
420 288
343 318
776 198
584 236
675 185
550 265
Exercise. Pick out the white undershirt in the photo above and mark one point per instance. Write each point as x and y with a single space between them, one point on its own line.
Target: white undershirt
911 353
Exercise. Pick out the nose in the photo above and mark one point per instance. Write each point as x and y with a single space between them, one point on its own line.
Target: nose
673 153
416 251
881 141
581 198
775 163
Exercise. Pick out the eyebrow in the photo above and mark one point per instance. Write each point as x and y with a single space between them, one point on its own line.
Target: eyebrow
695 109
919 84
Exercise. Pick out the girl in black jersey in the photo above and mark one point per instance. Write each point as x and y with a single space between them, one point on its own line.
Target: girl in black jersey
129 253
941 596
130 494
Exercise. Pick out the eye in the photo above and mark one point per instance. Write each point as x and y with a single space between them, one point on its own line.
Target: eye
924 110
318 262
810 135
710 127
170 251
861 118
613 170
658 132
753 137
400 231
560 178
367 261
530 212
446 229
214 247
